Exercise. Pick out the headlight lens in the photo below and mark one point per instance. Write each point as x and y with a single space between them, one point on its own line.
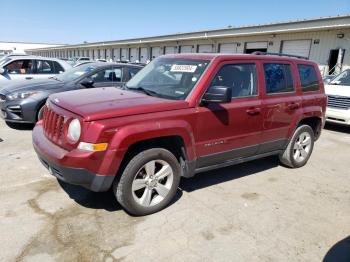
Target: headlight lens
74 130
20 95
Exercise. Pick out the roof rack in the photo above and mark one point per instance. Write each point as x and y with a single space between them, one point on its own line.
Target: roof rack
279 54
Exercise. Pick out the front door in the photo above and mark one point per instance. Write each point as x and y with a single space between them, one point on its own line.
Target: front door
22 69
230 130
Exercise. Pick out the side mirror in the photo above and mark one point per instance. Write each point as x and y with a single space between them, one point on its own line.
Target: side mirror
87 82
2 70
218 94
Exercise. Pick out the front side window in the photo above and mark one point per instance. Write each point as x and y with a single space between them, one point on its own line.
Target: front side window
108 75
172 78
44 67
308 78
20 67
240 77
278 78
342 79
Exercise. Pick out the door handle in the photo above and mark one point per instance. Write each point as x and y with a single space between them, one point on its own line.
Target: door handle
253 111
293 106
29 77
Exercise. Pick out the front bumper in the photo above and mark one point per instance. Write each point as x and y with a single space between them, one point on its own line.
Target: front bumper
19 111
51 155
338 116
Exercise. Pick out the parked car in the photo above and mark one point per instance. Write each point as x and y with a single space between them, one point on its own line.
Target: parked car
29 67
338 92
23 102
180 115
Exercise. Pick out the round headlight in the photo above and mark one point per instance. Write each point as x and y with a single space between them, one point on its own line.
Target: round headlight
74 130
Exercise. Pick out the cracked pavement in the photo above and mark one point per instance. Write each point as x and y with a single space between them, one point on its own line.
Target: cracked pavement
257 211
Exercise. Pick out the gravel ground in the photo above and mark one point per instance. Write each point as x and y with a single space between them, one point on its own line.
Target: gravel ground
257 211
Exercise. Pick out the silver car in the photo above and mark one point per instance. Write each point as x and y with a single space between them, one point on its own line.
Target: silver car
29 67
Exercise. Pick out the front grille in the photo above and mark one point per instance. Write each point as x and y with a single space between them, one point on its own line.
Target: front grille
53 125
341 102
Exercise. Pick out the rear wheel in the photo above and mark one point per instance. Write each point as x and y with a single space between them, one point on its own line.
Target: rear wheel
149 182
299 148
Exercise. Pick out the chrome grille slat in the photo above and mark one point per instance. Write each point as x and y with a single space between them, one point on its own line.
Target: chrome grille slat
339 102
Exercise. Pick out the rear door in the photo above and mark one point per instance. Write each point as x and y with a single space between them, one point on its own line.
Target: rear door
44 69
281 103
232 130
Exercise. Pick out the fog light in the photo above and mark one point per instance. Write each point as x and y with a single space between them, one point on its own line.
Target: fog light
92 147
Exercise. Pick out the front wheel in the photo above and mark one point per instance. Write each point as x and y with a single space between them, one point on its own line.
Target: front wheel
149 182
299 148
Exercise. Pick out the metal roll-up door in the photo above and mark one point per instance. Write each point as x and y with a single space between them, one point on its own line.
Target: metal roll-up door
296 47
144 54
228 48
156 52
124 55
186 49
205 48
133 54
256 45
170 50
108 54
116 54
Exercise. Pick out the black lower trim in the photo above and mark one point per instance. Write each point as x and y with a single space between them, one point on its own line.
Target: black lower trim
77 176
237 161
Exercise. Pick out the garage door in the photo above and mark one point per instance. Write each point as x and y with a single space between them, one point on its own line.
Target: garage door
186 49
228 48
170 50
133 54
144 55
296 47
256 45
205 48
108 54
155 52
116 54
124 56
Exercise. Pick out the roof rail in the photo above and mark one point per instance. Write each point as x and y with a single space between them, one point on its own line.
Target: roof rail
279 54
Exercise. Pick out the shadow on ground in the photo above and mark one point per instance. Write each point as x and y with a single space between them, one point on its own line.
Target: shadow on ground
340 252
20 126
222 175
337 128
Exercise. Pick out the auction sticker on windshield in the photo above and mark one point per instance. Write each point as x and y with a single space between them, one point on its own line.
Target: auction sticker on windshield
183 68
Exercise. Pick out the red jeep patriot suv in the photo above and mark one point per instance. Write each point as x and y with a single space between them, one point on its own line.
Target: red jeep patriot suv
180 115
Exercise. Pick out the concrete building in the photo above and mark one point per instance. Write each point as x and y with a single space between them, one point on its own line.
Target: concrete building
324 40
20 47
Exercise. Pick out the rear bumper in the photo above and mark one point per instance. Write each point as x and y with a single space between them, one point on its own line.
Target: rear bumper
52 156
338 116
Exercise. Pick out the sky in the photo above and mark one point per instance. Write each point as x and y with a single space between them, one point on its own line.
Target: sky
76 21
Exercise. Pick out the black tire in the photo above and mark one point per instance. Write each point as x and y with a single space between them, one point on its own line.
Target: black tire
287 157
123 188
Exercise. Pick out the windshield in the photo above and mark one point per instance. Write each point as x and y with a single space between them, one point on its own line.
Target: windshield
342 79
76 72
4 60
171 78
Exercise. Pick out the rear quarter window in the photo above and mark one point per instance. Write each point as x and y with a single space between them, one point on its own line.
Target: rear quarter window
308 78
278 78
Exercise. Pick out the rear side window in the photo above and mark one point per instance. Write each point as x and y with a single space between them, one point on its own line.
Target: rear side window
44 67
278 78
58 68
133 71
308 78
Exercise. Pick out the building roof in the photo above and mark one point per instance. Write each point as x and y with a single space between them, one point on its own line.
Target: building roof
305 25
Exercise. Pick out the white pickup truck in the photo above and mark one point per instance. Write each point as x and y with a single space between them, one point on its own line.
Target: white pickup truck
338 92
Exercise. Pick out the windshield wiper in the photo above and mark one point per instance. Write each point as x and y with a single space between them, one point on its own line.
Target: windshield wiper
144 90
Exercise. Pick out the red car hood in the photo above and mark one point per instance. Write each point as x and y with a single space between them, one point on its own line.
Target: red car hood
109 102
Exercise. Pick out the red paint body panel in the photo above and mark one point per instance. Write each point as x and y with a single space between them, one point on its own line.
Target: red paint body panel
122 118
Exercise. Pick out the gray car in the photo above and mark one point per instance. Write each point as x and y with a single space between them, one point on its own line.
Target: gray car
24 102
19 68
